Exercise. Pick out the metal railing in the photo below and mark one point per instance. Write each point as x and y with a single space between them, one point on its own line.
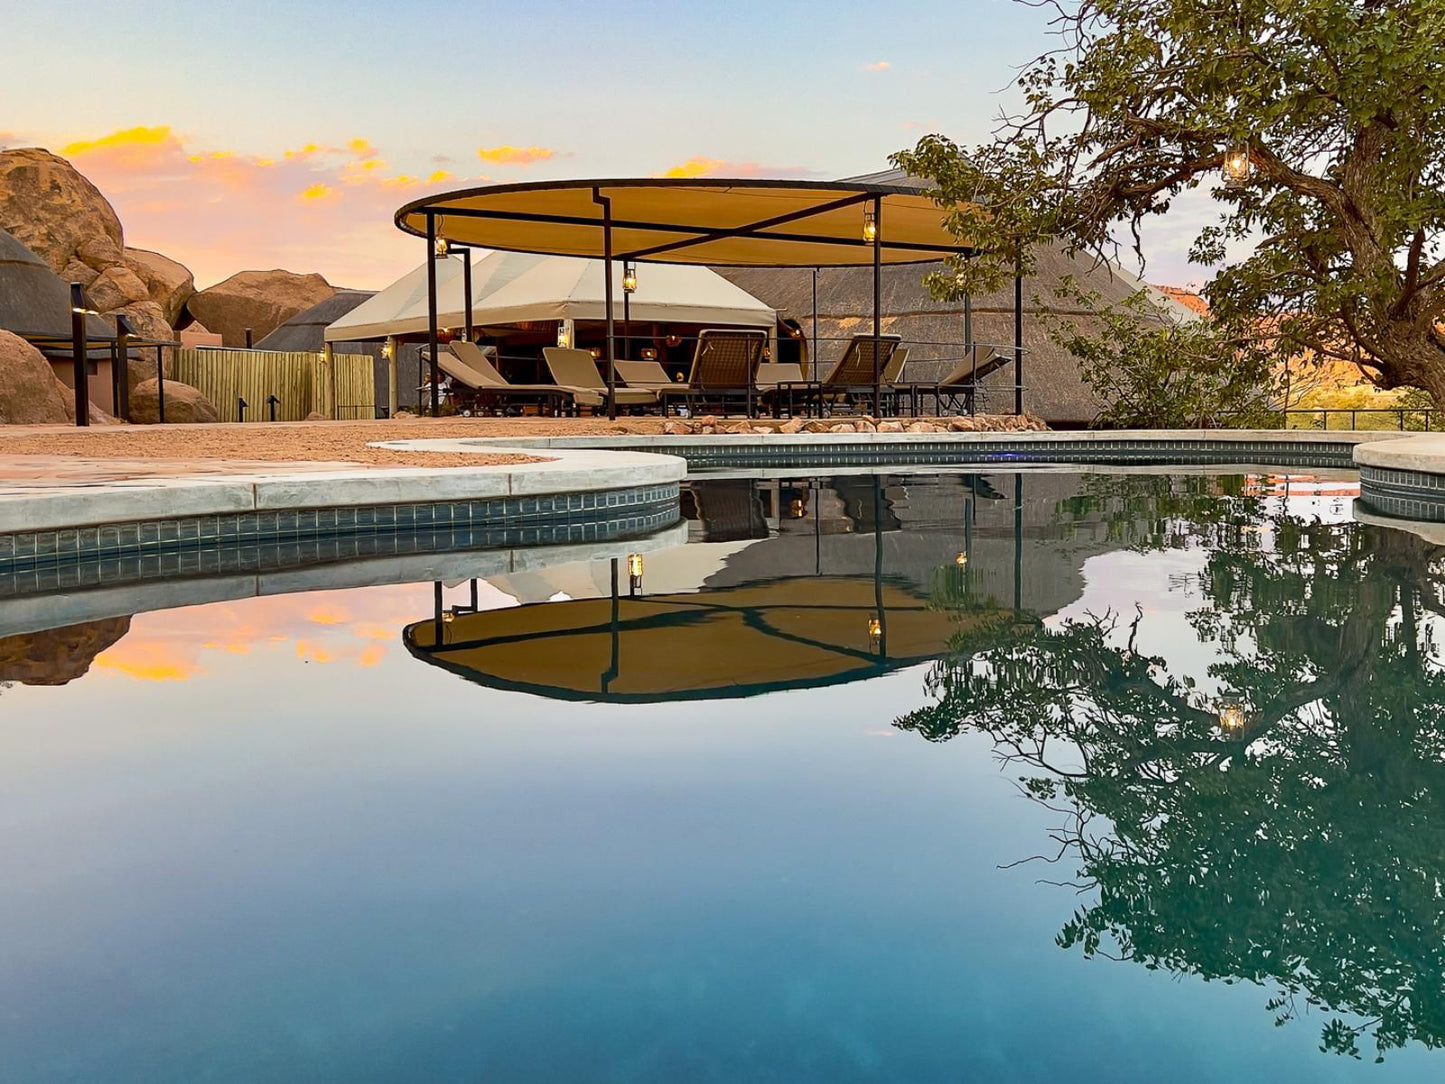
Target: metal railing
1356 419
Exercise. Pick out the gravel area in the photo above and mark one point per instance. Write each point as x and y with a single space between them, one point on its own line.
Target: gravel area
304 442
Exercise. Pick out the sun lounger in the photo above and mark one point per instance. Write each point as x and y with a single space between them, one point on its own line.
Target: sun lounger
466 364
576 368
724 368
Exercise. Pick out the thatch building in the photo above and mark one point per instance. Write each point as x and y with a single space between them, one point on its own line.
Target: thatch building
933 330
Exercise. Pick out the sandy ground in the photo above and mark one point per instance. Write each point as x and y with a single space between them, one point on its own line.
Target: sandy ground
302 442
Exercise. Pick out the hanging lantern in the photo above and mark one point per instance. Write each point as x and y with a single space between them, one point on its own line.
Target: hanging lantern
629 278
870 224
1231 716
564 334
1238 166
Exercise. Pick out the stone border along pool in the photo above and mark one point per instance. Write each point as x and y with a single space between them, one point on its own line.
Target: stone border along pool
590 490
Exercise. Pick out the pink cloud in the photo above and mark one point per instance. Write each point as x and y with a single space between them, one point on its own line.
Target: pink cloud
877 66
701 166
507 155
312 208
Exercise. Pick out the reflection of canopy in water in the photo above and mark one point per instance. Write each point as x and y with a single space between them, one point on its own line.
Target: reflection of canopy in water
729 642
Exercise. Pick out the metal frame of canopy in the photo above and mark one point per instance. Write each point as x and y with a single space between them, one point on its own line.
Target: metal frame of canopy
709 221
678 614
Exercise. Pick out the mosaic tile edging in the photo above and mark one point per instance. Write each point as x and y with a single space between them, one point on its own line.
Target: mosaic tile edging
955 453
1403 494
24 551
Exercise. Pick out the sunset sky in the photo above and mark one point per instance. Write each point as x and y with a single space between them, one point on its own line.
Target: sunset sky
266 134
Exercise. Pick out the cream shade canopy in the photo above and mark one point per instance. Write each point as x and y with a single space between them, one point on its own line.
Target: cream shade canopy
723 223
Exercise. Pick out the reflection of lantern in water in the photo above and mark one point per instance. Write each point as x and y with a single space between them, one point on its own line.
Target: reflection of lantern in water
634 572
961 560
875 630
1231 716
442 247
448 616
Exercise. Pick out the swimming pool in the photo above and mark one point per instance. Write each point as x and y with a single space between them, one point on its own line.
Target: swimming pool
1026 775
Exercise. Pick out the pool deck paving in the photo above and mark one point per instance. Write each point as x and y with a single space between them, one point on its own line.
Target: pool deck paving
53 476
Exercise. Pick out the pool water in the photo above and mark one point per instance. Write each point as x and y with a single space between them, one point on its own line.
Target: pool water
1003 777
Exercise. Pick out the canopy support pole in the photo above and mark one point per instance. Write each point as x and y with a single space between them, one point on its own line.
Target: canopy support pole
878 567
431 309
79 350
393 351
816 356
467 287
1018 338
1018 544
877 306
120 369
606 204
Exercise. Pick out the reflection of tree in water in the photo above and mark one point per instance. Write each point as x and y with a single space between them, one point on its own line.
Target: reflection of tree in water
1303 852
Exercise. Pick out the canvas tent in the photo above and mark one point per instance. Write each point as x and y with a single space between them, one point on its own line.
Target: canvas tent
512 288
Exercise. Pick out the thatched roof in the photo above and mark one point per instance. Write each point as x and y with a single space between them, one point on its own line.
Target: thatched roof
933 330
34 300
304 330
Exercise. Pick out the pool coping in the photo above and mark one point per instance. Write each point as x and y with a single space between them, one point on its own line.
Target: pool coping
598 464
40 508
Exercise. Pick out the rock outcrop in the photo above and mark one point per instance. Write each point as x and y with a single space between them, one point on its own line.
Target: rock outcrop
29 392
183 404
260 300
58 656
55 212
114 288
168 284
47 205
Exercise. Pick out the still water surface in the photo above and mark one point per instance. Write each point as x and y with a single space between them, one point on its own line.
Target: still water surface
726 830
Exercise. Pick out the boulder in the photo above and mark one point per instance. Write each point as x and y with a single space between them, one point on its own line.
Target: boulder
317 416
183 404
260 300
792 425
167 283
55 212
75 271
57 656
114 288
676 429
30 394
890 427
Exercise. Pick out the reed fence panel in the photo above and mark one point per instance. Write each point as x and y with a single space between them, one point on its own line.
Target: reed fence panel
300 379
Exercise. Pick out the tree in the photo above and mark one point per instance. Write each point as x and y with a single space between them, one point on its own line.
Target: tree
1164 376
1300 851
1333 112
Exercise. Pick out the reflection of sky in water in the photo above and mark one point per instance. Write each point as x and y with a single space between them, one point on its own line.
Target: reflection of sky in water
319 859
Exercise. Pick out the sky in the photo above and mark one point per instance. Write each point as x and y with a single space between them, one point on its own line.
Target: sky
233 136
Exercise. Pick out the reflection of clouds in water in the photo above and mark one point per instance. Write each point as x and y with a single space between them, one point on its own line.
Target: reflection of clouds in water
354 627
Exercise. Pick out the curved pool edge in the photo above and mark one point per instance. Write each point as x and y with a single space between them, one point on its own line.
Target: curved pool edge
1404 480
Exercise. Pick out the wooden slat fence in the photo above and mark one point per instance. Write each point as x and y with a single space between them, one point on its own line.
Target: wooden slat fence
300 379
